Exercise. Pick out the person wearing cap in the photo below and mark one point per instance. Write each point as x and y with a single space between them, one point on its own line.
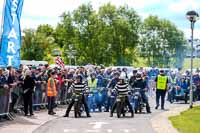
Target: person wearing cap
122 89
140 83
78 87
51 93
28 89
161 88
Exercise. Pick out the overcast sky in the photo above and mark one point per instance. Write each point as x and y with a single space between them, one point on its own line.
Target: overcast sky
37 12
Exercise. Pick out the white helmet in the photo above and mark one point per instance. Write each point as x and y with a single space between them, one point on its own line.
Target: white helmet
122 76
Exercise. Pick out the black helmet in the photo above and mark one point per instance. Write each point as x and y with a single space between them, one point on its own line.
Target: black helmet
79 77
134 71
139 76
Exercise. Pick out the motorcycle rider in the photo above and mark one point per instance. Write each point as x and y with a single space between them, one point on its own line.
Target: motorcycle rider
122 88
173 84
133 78
140 83
111 85
78 87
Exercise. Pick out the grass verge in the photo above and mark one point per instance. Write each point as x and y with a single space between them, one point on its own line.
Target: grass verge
188 121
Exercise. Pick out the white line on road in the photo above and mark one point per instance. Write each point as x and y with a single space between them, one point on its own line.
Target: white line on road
126 130
70 130
97 125
109 130
92 131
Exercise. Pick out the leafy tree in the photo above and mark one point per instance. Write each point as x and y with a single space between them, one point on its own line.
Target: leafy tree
110 36
159 40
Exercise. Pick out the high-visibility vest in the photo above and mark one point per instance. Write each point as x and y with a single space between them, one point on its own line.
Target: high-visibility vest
51 91
174 80
161 82
92 85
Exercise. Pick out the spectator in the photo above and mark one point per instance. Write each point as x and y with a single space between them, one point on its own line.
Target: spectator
28 89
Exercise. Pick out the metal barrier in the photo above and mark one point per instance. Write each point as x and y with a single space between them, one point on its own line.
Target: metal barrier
39 96
5 102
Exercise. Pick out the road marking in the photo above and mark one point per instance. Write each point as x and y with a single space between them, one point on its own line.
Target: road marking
109 130
70 130
126 130
92 131
98 125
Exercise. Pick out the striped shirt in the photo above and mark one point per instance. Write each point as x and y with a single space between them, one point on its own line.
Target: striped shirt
122 89
79 88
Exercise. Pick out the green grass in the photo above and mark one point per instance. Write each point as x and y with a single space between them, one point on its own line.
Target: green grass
188 121
187 63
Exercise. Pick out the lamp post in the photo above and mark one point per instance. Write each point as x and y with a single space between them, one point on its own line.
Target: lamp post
71 54
192 16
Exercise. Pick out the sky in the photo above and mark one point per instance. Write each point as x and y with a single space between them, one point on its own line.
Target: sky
36 12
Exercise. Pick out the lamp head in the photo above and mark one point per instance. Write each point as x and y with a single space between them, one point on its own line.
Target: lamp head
192 16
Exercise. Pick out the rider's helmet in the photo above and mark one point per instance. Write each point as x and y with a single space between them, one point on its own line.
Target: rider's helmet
79 77
122 78
139 76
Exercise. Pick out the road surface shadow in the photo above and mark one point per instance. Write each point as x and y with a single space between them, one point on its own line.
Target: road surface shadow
17 120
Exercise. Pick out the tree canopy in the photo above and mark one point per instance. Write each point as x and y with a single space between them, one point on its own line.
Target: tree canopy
109 36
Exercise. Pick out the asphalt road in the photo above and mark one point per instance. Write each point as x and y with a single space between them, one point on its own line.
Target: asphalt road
102 123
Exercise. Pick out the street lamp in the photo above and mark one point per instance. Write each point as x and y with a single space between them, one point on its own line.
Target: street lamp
71 54
192 16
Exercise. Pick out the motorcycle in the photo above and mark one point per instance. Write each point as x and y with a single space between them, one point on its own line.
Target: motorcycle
181 94
77 105
138 102
120 105
171 93
95 100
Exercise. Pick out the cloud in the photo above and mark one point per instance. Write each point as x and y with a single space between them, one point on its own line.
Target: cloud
140 4
184 5
30 23
50 8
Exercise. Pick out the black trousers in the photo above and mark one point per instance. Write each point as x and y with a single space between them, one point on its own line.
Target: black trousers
51 103
72 103
146 101
126 103
160 93
28 103
14 98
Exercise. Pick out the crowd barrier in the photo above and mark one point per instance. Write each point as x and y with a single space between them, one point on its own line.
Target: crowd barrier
5 102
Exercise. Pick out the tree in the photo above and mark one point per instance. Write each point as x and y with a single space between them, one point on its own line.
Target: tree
122 25
110 36
159 40
38 44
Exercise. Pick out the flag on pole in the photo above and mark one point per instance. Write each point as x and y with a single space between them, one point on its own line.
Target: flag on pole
11 36
60 62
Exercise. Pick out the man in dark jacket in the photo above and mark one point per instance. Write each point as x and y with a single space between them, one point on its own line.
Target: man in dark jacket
110 87
140 83
28 89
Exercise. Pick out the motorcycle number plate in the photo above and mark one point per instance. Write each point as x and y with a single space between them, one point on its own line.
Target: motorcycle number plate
137 93
76 100
118 100
136 97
